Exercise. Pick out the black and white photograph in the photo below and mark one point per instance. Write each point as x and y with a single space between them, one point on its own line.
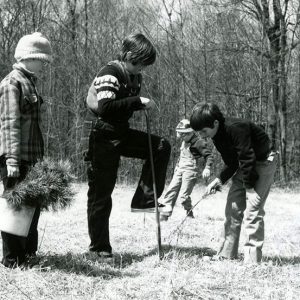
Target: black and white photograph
150 149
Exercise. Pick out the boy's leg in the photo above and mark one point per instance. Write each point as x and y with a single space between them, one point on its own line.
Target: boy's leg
137 146
32 238
170 196
14 247
189 179
254 214
234 212
102 176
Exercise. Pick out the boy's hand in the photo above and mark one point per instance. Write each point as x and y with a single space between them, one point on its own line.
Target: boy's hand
13 171
213 187
149 104
253 198
206 173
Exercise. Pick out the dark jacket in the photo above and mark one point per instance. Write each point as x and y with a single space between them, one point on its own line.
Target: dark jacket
241 143
199 148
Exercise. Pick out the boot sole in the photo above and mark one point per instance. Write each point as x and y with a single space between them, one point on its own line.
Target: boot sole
143 210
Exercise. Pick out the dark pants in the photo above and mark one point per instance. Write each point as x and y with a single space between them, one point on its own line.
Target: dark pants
105 155
16 248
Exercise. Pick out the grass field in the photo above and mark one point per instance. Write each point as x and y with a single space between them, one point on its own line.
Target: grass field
70 272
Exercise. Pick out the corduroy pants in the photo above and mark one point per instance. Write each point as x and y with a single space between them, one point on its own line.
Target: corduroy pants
239 209
16 248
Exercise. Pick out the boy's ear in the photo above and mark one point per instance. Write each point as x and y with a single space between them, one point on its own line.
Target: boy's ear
216 123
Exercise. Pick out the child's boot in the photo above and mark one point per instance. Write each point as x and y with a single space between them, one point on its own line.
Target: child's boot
190 214
163 218
165 211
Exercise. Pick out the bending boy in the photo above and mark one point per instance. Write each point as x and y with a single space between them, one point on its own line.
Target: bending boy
245 150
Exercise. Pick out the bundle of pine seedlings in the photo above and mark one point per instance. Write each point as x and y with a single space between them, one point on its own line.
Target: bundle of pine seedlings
48 184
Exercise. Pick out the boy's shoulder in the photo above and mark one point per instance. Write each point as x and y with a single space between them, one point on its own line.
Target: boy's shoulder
116 68
15 77
237 127
198 144
198 140
234 123
113 68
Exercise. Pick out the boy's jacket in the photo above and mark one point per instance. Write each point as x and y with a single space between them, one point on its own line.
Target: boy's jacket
20 133
241 143
199 148
113 95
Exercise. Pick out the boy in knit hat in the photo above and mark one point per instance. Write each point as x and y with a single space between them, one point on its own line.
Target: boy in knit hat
21 141
186 171
112 99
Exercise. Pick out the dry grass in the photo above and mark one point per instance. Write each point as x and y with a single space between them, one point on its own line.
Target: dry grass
70 272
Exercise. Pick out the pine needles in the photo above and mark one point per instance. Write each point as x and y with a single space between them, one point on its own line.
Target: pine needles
47 184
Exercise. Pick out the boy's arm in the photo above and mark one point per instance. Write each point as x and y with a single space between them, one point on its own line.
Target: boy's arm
201 149
228 171
241 138
107 86
10 122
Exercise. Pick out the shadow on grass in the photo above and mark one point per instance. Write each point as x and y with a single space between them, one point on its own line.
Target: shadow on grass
84 264
90 264
170 251
282 260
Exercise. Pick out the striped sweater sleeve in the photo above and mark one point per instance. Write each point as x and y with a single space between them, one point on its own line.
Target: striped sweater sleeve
107 85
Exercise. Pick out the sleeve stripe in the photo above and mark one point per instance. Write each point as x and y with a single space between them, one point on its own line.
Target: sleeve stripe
105 85
107 80
106 95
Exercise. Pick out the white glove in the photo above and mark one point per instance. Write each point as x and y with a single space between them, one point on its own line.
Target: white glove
253 198
149 104
213 187
13 171
206 173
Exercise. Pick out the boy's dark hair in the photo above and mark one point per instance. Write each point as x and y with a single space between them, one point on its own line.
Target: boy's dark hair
142 50
204 115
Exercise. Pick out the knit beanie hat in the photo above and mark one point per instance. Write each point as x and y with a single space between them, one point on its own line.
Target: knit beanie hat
33 45
184 126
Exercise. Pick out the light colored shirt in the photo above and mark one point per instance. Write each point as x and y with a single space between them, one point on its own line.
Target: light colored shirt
186 158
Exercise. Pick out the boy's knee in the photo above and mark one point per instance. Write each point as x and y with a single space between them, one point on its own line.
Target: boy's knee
164 146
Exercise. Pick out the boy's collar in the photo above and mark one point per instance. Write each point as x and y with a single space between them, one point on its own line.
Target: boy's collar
192 138
220 129
29 74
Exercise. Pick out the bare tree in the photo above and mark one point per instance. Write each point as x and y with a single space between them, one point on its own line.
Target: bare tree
279 21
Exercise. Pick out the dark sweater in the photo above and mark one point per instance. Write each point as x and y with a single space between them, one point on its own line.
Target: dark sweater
117 94
241 143
199 149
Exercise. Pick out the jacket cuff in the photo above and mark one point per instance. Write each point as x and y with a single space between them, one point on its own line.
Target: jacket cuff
12 162
138 105
248 186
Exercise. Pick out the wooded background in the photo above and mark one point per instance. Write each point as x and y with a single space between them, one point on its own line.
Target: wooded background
242 54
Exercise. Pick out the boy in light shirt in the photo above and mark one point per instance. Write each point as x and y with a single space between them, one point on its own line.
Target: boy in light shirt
186 171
